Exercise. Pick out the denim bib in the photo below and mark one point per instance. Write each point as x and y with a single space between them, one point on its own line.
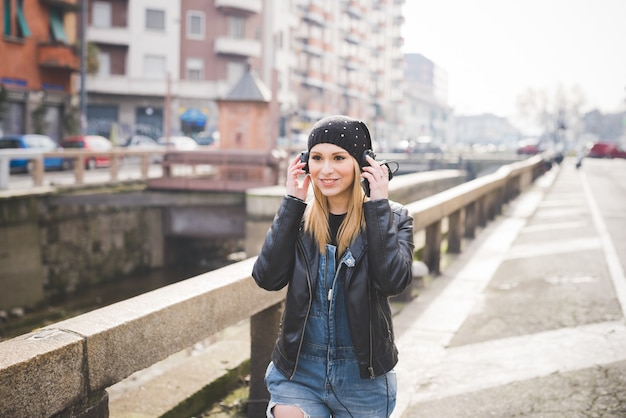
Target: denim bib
327 328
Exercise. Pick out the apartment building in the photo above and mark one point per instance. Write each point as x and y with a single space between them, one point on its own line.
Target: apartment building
160 59
427 113
348 60
38 67
159 66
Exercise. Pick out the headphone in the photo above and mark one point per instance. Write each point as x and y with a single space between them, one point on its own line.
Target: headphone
304 158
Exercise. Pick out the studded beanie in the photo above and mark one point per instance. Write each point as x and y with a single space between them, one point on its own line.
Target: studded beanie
343 131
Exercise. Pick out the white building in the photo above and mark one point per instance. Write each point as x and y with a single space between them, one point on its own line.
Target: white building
159 58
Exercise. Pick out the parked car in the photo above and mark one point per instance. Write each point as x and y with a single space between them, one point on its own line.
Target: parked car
419 146
35 142
209 140
142 142
90 143
528 147
178 143
606 150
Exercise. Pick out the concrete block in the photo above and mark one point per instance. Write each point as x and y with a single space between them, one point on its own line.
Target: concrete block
41 373
136 333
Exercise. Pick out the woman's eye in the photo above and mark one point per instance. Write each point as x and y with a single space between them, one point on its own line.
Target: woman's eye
316 157
340 157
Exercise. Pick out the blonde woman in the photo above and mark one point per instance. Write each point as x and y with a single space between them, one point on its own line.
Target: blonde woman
343 254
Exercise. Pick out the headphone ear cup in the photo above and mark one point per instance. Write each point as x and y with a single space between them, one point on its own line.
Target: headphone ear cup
304 158
367 153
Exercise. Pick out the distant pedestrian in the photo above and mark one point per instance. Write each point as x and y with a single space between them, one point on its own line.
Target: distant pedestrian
579 157
342 255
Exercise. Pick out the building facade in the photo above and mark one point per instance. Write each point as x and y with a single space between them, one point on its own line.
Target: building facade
316 56
38 68
160 66
426 112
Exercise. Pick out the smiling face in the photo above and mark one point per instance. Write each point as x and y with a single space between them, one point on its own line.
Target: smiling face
332 171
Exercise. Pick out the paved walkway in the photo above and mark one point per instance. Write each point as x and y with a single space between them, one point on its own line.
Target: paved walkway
527 322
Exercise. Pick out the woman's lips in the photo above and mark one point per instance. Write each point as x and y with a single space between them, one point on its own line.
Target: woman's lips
328 182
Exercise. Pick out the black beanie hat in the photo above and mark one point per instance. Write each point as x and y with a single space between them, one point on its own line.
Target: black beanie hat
343 131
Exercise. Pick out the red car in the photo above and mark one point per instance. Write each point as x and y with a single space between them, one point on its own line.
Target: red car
90 143
528 147
606 150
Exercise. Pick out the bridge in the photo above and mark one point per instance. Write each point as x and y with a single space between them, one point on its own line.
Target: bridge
64 369
206 169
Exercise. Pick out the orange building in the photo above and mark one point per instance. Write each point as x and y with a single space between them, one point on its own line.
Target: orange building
40 59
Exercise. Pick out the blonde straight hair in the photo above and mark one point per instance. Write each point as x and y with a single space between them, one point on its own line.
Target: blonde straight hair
317 213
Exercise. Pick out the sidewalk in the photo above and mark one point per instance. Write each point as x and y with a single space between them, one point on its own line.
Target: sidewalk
527 322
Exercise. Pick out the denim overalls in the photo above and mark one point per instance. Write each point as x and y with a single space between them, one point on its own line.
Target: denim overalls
327 381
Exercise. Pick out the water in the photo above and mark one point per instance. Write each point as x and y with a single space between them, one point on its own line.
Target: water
99 296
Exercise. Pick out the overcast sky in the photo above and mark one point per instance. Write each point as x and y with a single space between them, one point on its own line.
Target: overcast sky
493 50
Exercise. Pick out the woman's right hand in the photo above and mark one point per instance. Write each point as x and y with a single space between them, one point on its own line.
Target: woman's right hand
296 187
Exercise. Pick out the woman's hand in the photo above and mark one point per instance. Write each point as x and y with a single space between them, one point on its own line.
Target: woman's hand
378 177
296 187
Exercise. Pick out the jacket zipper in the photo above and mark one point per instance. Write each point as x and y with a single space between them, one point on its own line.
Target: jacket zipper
382 313
371 365
308 311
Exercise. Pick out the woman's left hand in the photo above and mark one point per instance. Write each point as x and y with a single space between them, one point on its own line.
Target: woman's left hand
378 177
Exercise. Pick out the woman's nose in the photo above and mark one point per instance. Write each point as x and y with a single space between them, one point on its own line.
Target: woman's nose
327 167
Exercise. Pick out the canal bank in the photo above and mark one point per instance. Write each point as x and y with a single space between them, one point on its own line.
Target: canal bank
60 242
21 321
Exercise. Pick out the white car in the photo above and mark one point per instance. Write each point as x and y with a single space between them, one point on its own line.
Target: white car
141 142
178 143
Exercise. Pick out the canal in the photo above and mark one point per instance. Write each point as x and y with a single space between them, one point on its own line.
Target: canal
13 324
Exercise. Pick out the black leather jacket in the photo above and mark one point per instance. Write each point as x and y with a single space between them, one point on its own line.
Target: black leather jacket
384 255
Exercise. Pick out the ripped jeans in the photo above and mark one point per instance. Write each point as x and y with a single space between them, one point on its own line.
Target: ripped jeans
336 391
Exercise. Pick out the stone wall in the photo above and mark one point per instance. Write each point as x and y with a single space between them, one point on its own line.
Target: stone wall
21 270
85 245
50 246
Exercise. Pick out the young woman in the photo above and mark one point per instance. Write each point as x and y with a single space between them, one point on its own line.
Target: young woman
342 255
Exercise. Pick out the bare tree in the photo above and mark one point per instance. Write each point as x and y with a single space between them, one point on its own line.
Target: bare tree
556 115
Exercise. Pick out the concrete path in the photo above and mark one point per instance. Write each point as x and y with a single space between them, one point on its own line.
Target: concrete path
529 320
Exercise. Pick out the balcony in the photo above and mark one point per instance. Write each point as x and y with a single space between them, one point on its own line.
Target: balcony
249 6
353 37
111 36
123 85
58 55
234 46
67 5
315 15
314 47
314 80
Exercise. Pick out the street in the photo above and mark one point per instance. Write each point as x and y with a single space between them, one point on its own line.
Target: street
529 322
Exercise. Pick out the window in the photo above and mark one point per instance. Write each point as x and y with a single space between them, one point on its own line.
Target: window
234 72
56 26
23 30
154 66
155 19
7 17
104 63
195 69
195 24
237 27
101 14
